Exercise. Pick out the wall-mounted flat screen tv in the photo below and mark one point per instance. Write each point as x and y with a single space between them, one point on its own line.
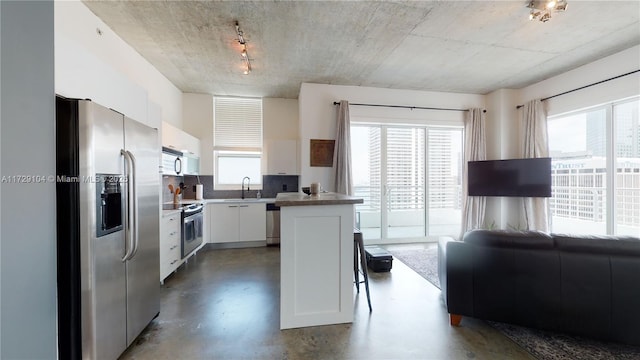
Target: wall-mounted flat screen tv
512 177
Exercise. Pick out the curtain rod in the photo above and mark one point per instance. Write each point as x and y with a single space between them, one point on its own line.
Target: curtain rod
584 87
407 107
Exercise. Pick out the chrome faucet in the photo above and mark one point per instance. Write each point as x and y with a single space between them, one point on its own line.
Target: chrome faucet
248 181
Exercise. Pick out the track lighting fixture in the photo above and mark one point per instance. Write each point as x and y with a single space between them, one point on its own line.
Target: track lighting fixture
541 9
244 53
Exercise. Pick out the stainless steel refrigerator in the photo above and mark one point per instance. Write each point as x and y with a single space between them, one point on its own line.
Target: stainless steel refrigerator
108 209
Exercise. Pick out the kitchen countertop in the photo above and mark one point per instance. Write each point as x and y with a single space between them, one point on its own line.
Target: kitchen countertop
225 201
170 212
217 201
301 199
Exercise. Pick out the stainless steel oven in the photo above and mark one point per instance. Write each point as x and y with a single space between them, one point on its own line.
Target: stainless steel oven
191 228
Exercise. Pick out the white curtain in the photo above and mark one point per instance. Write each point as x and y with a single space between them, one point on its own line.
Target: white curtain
342 151
474 149
536 145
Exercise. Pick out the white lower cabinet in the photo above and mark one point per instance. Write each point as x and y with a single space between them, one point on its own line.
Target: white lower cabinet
237 222
170 256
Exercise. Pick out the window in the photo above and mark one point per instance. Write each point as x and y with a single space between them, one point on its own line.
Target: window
410 180
237 142
596 170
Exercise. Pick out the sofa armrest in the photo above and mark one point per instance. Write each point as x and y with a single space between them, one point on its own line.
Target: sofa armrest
442 262
457 277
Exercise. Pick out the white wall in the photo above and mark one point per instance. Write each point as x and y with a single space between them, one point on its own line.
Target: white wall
107 70
27 215
503 134
318 115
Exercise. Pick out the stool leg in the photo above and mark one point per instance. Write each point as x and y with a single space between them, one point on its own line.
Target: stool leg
365 272
355 265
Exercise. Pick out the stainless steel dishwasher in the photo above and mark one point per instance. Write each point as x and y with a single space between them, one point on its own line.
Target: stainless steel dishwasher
273 224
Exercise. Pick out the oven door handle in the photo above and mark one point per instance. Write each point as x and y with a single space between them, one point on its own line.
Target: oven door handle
132 206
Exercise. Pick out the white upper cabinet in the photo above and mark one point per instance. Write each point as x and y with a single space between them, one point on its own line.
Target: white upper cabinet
282 157
174 138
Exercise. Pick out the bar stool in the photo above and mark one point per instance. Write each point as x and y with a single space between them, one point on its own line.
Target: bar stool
358 248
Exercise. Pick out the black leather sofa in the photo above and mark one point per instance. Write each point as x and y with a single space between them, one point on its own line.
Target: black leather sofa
580 285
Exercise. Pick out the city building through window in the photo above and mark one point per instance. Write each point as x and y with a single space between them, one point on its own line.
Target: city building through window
596 170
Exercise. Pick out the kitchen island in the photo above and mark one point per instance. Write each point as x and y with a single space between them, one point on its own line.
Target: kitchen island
316 259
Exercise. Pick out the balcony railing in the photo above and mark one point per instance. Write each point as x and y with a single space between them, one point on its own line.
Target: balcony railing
409 197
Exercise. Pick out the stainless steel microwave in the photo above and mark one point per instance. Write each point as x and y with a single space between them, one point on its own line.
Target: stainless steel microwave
172 162
178 163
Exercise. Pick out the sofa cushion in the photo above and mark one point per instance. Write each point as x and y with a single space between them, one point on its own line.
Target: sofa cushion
507 238
603 244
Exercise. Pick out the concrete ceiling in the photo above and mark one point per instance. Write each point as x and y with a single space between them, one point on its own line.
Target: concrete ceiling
454 46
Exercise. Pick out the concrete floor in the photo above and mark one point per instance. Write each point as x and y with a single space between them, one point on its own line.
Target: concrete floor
225 304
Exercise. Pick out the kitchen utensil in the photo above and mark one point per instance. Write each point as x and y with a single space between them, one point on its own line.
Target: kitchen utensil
176 196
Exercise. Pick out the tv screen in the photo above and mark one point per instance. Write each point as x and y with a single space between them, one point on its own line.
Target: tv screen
513 177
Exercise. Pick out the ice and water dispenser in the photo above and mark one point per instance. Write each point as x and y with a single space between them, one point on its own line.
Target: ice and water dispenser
109 205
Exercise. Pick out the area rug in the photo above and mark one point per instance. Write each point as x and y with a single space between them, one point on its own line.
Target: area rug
423 261
543 345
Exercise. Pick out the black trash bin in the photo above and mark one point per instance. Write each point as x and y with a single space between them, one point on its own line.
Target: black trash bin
378 259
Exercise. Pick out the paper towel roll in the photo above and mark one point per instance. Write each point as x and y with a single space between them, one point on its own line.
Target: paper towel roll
199 191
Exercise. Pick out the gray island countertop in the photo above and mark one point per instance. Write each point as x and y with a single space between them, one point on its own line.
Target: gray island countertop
302 199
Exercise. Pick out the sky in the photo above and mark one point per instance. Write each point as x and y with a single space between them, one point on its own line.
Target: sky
568 134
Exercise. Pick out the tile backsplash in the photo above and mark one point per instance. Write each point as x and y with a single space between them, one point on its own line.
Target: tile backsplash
190 182
271 185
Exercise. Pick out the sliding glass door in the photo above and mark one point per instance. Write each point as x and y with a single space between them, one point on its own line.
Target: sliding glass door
404 182
410 179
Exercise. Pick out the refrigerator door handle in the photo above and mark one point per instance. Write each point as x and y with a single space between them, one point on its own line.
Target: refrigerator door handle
129 213
134 197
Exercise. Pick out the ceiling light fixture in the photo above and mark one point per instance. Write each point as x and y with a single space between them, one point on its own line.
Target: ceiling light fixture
541 9
244 53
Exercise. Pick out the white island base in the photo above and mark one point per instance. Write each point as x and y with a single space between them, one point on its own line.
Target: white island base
316 270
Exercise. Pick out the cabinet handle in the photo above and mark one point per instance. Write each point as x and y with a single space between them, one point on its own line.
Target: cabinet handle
244 205
174 261
171 219
233 206
173 247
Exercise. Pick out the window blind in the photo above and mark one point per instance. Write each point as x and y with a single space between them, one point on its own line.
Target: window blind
237 124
